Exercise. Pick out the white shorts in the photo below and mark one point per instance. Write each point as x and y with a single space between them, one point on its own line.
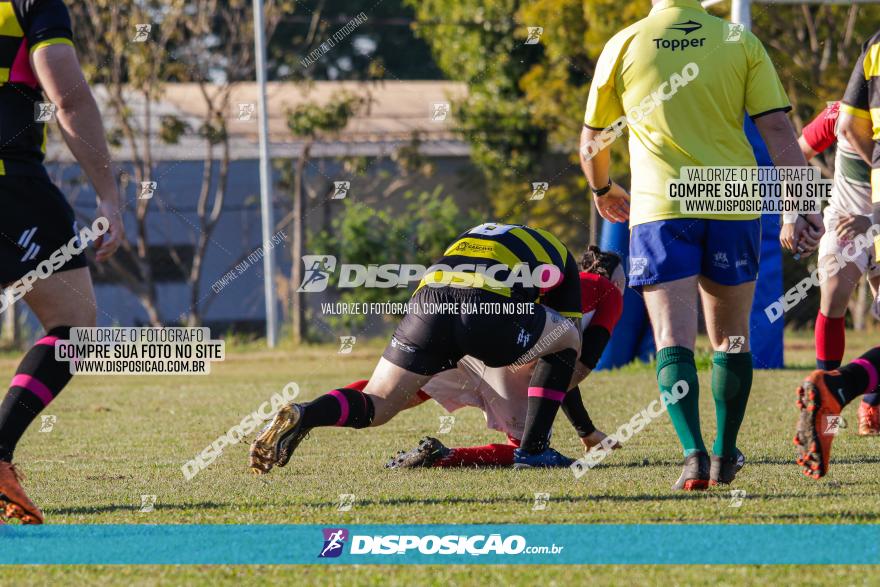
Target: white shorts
830 245
501 393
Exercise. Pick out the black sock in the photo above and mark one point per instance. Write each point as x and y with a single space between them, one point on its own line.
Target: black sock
856 378
341 407
547 389
827 365
38 380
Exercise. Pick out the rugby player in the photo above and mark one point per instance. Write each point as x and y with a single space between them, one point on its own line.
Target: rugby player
486 265
502 393
37 65
824 393
847 215
682 81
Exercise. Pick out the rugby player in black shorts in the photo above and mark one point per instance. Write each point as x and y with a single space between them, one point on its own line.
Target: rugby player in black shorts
40 75
452 316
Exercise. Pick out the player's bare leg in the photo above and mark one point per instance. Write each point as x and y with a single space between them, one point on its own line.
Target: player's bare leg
61 301
390 390
727 310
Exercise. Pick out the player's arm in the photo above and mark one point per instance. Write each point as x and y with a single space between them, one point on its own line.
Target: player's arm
859 132
855 108
613 206
594 340
800 233
806 148
767 104
59 73
820 133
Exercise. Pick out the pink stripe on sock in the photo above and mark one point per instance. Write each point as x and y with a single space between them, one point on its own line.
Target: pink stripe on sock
48 340
33 385
871 371
343 405
551 394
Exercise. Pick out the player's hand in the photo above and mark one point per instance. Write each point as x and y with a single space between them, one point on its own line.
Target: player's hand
814 228
613 206
802 237
595 439
852 225
107 243
787 237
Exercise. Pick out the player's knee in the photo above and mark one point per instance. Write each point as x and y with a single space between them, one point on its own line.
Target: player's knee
84 316
80 319
382 413
838 300
554 371
565 336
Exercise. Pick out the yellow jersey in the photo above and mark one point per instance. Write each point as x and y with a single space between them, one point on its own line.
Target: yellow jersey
682 81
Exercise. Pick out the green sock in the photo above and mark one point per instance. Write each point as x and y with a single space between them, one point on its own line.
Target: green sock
674 364
731 384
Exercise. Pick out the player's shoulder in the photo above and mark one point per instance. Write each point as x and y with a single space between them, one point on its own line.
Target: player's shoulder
621 39
872 40
28 6
28 10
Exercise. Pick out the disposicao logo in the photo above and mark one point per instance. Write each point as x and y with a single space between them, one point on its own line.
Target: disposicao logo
334 540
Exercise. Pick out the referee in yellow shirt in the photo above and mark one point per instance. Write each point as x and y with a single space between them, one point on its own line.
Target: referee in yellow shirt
681 81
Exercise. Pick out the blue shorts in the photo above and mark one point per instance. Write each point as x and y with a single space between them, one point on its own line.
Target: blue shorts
725 251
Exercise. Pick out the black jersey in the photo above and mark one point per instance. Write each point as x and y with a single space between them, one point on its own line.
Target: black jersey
26 26
488 256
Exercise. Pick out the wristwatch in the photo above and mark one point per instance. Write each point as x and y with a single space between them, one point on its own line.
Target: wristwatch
601 191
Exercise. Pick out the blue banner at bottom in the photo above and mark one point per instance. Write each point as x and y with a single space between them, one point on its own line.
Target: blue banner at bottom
441 544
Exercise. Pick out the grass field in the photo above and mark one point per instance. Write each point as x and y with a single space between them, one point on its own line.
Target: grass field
117 438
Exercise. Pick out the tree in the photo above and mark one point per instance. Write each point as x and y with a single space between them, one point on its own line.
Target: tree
104 33
216 67
183 44
383 47
525 101
309 121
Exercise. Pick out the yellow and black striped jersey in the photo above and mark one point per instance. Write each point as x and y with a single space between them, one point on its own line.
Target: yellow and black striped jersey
862 99
512 260
26 26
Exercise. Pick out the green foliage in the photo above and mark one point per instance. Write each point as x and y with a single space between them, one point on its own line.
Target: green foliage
366 235
814 49
524 102
481 43
309 120
172 128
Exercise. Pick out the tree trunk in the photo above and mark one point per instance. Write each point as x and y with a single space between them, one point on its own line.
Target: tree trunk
10 333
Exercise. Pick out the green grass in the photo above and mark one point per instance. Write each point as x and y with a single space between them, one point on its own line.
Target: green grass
117 438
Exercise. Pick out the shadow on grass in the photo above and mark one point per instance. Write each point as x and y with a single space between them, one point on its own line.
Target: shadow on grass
103 509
